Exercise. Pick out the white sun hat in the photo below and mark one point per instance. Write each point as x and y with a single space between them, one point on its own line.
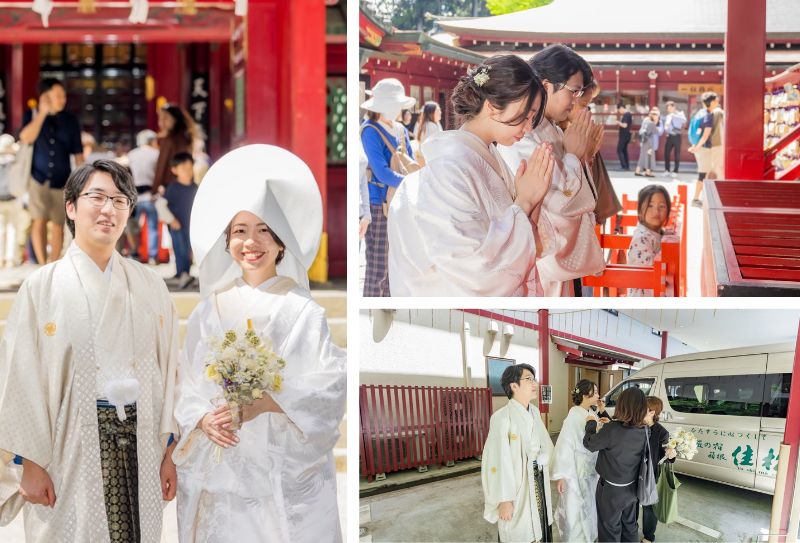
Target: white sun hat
389 98
271 183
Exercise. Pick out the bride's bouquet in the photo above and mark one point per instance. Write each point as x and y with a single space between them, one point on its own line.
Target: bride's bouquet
245 366
684 443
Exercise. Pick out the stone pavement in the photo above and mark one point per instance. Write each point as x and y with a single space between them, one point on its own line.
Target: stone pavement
14 532
452 510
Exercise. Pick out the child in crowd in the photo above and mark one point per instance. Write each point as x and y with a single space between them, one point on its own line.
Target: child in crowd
654 207
175 208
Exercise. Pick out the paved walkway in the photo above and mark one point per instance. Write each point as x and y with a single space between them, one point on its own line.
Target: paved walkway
452 510
14 532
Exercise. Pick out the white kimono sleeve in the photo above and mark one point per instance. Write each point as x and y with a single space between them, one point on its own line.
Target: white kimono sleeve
484 252
564 455
27 412
498 477
191 403
313 399
545 455
169 361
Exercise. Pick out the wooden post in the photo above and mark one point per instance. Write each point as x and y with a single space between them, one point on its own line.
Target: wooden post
745 44
285 88
544 357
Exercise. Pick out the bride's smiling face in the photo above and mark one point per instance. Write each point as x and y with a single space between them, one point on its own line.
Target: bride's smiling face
252 244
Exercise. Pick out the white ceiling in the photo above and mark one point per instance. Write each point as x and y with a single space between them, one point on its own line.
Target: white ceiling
710 329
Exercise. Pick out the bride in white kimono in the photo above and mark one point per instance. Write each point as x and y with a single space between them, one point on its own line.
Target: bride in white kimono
464 224
570 248
256 229
573 469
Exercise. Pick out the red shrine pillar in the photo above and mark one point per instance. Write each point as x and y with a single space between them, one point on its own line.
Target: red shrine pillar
745 46
791 438
544 358
167 78
22 85
285 92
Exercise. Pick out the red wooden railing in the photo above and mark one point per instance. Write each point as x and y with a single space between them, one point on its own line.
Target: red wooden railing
406 427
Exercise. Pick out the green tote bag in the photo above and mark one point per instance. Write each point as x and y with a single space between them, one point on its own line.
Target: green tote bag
666 509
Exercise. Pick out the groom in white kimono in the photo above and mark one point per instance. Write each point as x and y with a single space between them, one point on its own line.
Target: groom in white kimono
515 463
87 377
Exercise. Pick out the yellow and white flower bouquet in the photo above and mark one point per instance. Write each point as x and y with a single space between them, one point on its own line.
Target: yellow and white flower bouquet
245 365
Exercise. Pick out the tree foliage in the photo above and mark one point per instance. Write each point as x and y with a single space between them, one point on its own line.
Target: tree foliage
413 14
499 7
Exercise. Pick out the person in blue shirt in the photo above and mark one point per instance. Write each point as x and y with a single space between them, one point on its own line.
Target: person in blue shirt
55 135
175 209
387 102
709 144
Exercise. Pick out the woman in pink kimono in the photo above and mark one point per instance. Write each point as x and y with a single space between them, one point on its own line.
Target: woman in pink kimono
570 248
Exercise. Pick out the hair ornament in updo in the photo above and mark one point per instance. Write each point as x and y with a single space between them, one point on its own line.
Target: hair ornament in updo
481 75
576 390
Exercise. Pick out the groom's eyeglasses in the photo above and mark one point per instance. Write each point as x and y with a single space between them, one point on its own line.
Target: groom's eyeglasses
529 378
98 199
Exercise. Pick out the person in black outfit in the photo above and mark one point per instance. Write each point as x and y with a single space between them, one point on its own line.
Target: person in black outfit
55 134
624 123
659 437
621 445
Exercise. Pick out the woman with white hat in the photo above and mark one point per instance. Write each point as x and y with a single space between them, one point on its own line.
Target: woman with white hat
256 225
380 131
465 225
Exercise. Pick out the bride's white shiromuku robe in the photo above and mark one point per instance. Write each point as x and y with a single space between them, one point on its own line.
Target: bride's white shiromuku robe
279 482
517 438
570 248
50 359
576 512
454 229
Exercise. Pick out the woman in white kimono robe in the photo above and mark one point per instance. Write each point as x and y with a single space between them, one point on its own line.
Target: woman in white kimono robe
278 483
514 463
462 225
573 468
570 248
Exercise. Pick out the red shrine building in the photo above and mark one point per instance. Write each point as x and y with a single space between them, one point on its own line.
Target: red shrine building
427 67
643 56
253 71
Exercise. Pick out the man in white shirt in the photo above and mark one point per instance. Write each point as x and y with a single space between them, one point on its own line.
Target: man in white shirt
142 162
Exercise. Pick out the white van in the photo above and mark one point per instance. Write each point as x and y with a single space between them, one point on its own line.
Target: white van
734 401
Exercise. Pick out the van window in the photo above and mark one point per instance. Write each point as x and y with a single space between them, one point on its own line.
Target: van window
644 384
776 395
739 395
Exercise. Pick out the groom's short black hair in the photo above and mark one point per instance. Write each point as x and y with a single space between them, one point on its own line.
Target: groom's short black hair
120 174
513 374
